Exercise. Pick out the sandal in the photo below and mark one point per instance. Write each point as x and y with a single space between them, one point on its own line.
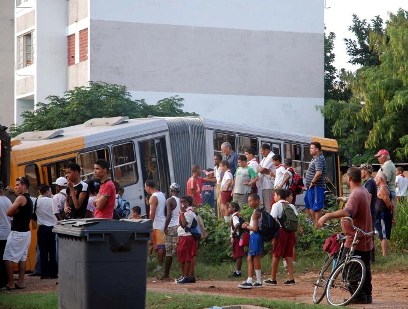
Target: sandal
19 287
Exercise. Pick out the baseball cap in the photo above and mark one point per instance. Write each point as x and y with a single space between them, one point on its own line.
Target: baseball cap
175 187
366 166
61 181
382 152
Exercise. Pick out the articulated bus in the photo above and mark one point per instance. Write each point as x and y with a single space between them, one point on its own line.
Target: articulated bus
162 149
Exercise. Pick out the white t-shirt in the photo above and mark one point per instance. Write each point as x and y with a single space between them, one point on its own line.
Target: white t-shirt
235 222
45 212
217 173
280 175
225 178
277 209
58 201
254 164
265 180
5 221
190 216
401 185
159 218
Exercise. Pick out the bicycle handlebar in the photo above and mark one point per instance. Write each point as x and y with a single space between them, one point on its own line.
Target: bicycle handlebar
357 228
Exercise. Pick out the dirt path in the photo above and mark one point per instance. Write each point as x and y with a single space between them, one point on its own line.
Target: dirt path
389 290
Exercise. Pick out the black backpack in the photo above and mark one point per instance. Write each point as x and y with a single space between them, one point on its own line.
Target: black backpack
269 228
289 220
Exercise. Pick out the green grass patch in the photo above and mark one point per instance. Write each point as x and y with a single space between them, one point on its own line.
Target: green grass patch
155 300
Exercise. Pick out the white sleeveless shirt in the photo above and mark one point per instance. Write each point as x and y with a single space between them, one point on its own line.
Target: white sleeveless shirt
159 218
175 213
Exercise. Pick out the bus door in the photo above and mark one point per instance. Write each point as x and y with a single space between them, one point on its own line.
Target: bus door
154 163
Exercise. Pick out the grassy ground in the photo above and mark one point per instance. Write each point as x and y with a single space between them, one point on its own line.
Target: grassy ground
154 300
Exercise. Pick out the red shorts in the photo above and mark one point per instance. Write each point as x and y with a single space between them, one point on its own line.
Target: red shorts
283 244
237 250
226 197
187 248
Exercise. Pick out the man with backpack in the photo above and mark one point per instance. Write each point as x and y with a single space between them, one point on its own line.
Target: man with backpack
283 245
295 182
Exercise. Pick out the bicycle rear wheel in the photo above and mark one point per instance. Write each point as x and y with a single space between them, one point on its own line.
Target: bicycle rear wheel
321 282
345 282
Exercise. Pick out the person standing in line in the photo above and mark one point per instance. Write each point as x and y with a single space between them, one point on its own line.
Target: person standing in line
157 204
5 228
45 237
371 186
256 244
388 167
226 188
77 193
58 200
195 185
383 207
19 238
218 177
244 178
282 176
288 165
358 208
238 251
230 156
401 184
106 198
171 226
93 189
252 162
315 182
266 181
207 193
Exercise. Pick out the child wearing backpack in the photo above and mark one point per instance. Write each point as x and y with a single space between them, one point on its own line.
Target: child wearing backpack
187 246
283 245
255 244
236 231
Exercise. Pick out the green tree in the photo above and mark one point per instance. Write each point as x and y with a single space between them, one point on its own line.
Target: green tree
361 50
99 99
375 116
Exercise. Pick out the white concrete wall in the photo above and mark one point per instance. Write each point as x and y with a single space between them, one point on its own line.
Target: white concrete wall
7 63
223 57
51 48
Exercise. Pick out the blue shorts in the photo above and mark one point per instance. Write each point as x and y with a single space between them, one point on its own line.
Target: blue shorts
255 244
383 224
314 198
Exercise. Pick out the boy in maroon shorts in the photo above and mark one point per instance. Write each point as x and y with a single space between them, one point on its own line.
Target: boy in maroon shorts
285 242
237 251
187 246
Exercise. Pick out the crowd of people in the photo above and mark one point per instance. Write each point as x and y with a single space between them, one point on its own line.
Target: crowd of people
233 181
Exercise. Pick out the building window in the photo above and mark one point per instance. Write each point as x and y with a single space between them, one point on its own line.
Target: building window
71 49
25 50
83 45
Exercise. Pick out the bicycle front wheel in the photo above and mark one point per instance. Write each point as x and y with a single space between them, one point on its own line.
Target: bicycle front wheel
346 282
321 282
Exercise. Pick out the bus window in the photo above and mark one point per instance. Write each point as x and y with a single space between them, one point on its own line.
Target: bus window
87 160
294 151
245 142
56 169
331 179
220 138
307 157
31 172
124 164
275 147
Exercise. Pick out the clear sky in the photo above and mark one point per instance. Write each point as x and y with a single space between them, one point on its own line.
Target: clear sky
338 18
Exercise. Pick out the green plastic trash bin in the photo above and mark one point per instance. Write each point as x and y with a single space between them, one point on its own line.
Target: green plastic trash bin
102 263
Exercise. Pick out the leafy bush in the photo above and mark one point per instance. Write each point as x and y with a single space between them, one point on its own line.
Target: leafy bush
399 233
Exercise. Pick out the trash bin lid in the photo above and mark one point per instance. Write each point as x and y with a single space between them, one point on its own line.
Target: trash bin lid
84 227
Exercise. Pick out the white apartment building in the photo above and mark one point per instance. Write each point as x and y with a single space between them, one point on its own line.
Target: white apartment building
255 62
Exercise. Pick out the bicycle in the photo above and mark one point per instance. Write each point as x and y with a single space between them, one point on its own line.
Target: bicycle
347 279
329 265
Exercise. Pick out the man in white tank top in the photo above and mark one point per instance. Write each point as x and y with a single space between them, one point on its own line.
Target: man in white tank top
170 227
157 204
